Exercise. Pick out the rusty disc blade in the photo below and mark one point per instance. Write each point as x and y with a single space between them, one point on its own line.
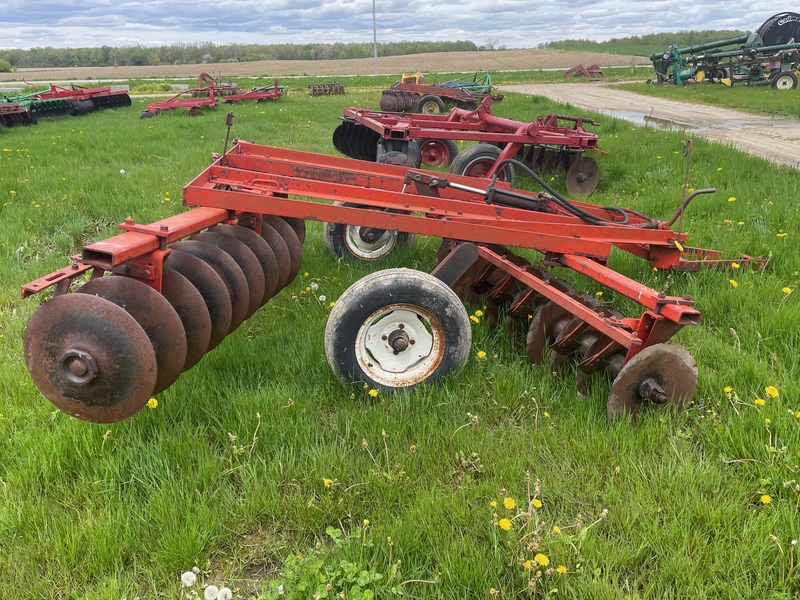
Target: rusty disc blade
544 329
583 176
230 272
292 242
669 366
261 249
211 288
156 316
247 261
281 251
299 226
90 358
192 311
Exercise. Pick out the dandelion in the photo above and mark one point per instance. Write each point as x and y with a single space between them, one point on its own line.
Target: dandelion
481 354
542 559
225 594
734 265
493 593
719 168
765 499
527 565
786 290
474 319
797 414
305 274
598 294
13 192
727 389
210 593
767 422
188 579
658 157
122 171
493 503
478 313
732 198
314 286
509 503
331 305
781 235
504 524
373 392
733 282
759 402
536 503
308 288
561 569
366 522
556 529
322 298
152 403
327 482
771 391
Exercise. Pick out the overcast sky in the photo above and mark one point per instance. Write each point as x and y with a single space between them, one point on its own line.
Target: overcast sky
515 23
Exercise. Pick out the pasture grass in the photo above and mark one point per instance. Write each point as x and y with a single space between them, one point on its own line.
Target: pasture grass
260 468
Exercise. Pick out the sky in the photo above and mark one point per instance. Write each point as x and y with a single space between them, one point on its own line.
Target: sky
513 23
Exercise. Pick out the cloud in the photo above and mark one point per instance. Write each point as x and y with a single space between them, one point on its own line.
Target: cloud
515 23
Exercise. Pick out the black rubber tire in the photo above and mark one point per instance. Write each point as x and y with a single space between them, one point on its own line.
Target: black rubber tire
431 314
437 152
785 80
476 161
147 115
342 242
430 105
400 159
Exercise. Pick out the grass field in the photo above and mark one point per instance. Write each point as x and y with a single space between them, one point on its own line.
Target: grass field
262 470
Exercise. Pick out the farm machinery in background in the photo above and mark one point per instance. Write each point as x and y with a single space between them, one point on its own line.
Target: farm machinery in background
13 113
770 55
151 301
411 93
59 100
194 99
544 145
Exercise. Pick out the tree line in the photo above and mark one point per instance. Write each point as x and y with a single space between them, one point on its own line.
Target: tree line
664 39
208 52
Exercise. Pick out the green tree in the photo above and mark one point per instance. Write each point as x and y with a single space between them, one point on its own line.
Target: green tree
5 66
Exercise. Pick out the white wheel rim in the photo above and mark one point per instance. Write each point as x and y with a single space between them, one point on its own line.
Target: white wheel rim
364 250
784 83
399 345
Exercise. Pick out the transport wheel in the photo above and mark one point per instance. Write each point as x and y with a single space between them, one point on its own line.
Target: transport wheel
659 377
90 358
478 160
211 288
154 314
437 152
583 176
192 311
785 80
357 243
230 272
397 328
430 105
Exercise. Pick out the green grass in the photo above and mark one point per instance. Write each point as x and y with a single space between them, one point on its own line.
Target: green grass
90 511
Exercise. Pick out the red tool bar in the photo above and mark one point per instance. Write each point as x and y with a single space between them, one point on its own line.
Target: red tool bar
65 274
613 329
677 310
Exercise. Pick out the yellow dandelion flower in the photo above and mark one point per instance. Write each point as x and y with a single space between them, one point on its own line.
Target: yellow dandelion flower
366 522
308 288
373 392
734 265
152 403
527 565
108 432
767 421
760 402
542 559
786 290
327 482
658 157
478 313
493 592
781 235
504 524
481 354
474 319
305 274
561 569
536 503
732 198
727 389
771 391
493 503
733 282
765 499
331 305
719 168
556 529
797 414
509 503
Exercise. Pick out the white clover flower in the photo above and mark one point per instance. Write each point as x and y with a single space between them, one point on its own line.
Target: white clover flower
188 579
225 594
211 592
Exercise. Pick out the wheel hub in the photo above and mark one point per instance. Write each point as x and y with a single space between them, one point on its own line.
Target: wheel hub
79 367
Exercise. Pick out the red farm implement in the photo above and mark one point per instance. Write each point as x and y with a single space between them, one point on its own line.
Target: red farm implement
159 296
411 93
544 145
192 100
85 100
260 94
13 113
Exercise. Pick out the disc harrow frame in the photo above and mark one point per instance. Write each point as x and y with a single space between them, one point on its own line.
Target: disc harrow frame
272 191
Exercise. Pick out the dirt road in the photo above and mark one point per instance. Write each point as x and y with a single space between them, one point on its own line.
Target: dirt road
774 138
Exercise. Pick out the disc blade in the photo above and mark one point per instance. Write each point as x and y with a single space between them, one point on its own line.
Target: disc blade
583 176
281 251
156 316
230 272
90 358
247 261
211 288
292 242
669 366
261 249
544 329
192 311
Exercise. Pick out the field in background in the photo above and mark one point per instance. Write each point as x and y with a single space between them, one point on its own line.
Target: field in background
258 458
